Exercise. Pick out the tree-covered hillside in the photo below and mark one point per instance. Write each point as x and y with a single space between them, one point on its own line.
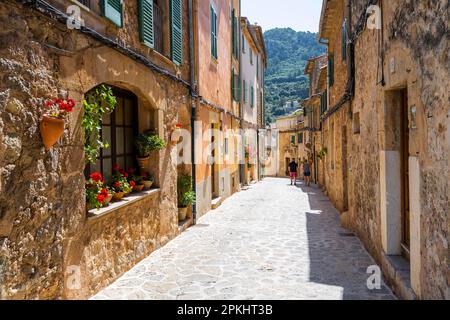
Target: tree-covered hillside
287 51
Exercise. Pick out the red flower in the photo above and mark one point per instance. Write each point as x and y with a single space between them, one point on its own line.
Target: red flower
179 125
101 198
71 103
48 103
125 175
69 108
132 183
62 106
116 166
96 176
104 192
122 171
131 170
118 184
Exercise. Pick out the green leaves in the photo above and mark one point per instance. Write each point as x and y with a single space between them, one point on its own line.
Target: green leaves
287 53
186 196
146 143
99 101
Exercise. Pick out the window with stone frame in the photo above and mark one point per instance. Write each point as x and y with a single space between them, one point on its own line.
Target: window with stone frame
119 129
86 3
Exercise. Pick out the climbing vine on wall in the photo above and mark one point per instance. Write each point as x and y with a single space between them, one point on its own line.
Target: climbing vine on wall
99 101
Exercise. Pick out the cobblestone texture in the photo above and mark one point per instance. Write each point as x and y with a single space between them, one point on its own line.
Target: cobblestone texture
273 241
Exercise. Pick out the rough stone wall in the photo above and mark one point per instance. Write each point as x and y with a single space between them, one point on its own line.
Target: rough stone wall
421 28
415 42
43 225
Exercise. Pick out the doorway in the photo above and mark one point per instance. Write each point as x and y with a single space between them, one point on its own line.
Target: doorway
344 170
404 161
214 192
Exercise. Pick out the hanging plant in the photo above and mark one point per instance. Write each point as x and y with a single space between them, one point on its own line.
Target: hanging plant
323 152
99 101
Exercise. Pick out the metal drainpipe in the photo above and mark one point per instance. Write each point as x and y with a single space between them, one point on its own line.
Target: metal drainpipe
193 106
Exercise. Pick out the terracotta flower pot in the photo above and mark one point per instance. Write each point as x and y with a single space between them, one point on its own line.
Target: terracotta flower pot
182 213
138 188
51 130
148 185
143 163
118 196
108 199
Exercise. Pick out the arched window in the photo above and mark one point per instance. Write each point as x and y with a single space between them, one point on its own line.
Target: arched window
119 129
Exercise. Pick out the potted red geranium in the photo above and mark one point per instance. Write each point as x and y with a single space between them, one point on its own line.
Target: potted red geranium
97 195
52 122
135 180
120 185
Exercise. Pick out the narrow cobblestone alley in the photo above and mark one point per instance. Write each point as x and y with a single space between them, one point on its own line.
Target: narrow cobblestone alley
273 241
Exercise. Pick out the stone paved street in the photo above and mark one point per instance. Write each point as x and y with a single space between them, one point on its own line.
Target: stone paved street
272 241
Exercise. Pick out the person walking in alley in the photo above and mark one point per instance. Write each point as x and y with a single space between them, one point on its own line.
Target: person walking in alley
293 166
307 172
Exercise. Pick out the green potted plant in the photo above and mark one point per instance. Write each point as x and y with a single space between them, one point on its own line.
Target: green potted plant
135 180
145 144
186 196
322 153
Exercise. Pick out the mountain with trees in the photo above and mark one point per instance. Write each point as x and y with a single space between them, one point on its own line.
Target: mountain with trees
287 54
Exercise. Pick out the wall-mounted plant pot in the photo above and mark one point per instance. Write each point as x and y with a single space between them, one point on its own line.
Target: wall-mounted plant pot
148 185
182 213
51 130
143 163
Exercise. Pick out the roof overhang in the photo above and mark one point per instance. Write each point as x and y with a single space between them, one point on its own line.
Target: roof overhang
329 11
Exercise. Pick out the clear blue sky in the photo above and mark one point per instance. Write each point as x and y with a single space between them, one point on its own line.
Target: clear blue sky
300 15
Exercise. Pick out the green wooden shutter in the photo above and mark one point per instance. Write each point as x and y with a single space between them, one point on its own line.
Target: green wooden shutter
176 33
331 69
245 91
252 96
233 31
344 40
233 93
257 66
292 139
213 33
146 22
236 36
239 88
113 10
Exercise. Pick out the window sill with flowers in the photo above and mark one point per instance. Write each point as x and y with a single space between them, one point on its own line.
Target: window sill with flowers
126 188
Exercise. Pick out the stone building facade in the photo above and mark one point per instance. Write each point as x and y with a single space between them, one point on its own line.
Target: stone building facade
314 106
253 63
291 143
217 170
49 246
386 129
